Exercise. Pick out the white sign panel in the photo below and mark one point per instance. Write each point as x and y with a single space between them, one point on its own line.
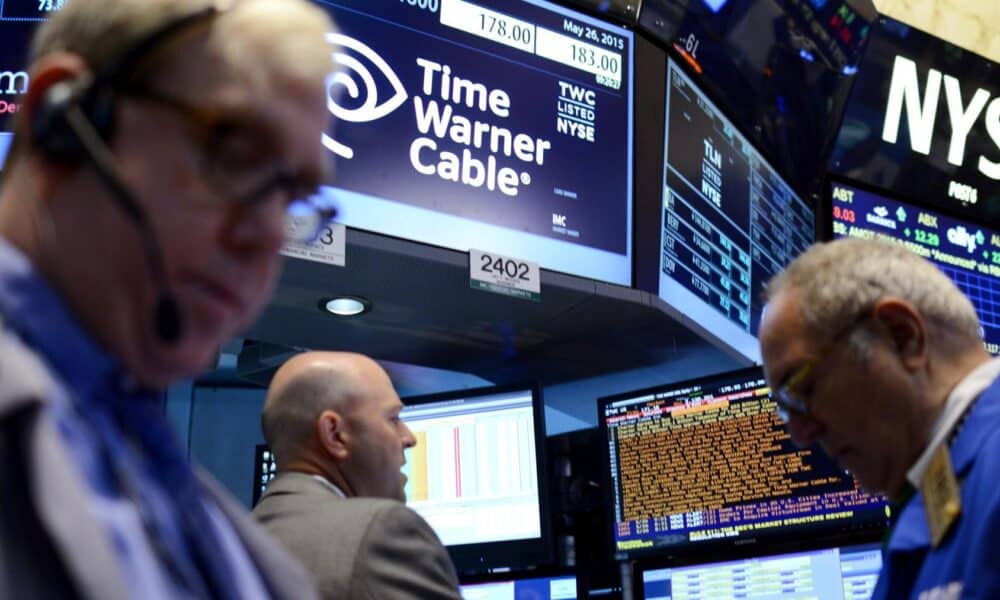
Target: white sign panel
500 274
329 247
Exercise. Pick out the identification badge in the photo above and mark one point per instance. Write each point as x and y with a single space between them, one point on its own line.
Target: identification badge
942 502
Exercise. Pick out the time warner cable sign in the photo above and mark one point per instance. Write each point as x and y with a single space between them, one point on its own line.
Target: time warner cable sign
491 124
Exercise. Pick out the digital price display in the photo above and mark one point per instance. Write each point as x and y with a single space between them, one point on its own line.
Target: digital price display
499 125
968 253
730 222
28 10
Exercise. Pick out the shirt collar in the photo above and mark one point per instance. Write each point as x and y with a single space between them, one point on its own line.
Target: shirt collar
957 404
31 308
332 486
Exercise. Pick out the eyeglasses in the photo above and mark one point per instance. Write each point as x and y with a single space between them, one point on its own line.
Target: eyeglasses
236 163
788 395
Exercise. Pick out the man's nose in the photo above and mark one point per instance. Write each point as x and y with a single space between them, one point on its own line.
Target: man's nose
409 440
259 228
804 430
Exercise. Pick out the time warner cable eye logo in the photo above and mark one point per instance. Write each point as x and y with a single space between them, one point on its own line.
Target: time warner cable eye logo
354 70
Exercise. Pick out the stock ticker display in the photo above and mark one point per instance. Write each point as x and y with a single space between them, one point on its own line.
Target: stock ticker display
967 253
489 124
730 221
709 461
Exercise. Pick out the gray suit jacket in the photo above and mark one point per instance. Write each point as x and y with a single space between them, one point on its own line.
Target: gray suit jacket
366 548
50 544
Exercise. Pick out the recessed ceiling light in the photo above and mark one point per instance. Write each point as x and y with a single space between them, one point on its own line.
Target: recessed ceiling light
346 306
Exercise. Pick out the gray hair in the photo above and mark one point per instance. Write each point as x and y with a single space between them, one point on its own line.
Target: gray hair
292 31
260 38
839 280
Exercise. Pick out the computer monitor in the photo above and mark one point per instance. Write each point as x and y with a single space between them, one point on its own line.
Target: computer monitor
847 573
561 584
496 125
705 465
264 470
728 221
477 474
967 253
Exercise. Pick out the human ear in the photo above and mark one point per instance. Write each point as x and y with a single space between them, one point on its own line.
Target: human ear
906 328
54 77
330 430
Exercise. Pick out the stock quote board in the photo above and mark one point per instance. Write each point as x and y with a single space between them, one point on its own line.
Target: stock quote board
496 125
729 221
708 462
967 253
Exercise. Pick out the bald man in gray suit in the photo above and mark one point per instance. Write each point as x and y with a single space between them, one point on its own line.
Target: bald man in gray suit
332 420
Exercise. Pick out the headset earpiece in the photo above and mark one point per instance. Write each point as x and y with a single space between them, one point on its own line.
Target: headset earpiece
53 135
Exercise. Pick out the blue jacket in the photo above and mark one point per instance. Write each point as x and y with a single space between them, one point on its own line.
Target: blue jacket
967 563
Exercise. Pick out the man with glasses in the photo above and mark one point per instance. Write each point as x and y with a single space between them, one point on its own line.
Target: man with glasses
164 152
874 354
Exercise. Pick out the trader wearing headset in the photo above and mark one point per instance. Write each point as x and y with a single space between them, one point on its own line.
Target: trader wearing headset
160 148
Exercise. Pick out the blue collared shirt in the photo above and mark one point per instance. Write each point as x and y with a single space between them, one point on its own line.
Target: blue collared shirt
139 516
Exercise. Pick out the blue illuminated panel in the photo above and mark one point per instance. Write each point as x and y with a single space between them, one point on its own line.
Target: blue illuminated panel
708 462
488 124
968 253
830 574
729 221
5 141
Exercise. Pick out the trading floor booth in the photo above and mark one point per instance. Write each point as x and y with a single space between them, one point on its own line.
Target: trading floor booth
555 219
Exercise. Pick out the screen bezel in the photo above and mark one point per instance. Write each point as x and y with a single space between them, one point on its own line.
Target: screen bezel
512 554
723 548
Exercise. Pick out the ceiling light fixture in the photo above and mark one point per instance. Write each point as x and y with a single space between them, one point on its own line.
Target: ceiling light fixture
346 306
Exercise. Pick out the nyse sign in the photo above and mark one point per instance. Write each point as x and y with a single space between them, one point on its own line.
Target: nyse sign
923 123
922 112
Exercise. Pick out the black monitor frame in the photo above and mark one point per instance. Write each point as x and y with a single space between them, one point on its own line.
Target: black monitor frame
723 548
513 554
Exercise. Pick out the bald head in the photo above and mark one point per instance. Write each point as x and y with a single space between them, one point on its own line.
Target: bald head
304 387
336 414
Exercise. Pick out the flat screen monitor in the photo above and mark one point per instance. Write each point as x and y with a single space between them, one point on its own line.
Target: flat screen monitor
264 470
705 465
847 573
477 474
729 221
497 125
968 253
526 585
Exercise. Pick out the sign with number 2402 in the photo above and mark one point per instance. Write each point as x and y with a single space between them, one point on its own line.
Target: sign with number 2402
504 275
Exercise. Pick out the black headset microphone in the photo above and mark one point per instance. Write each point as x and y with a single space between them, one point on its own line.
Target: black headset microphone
75 120
167 313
